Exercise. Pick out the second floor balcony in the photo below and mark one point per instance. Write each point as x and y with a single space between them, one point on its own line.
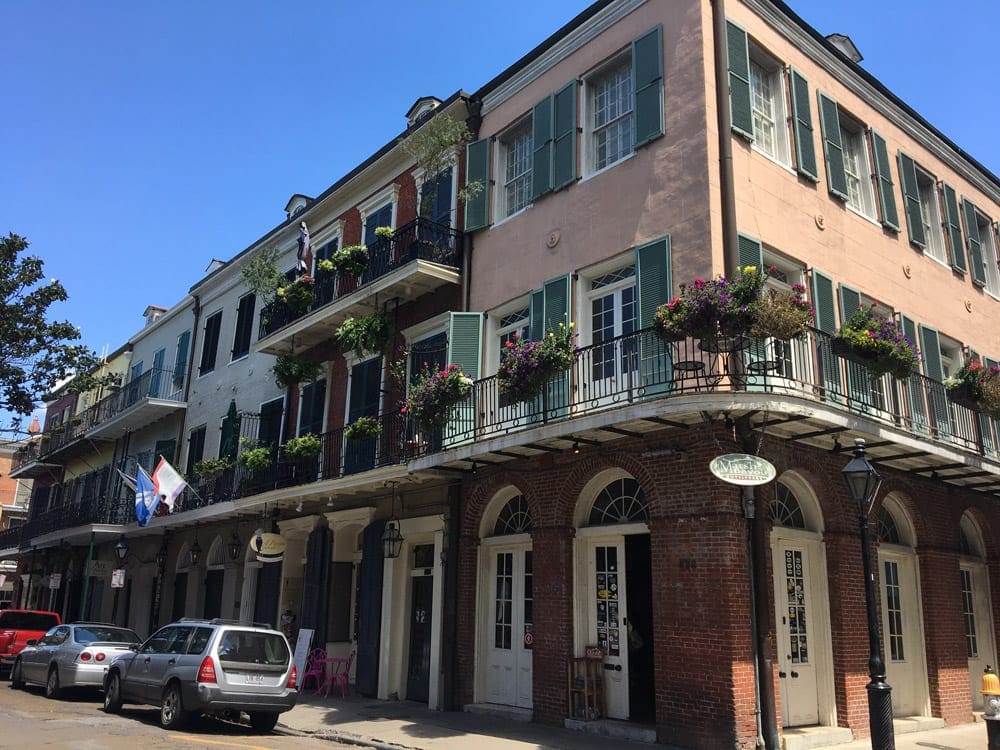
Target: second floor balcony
97 498
419 258
153 395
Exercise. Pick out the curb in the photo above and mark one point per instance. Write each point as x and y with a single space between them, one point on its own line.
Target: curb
346 737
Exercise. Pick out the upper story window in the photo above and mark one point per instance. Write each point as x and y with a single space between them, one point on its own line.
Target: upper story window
612 127
210 345
768 107
244 325
930 215
515 155
981 248
990 257
857 167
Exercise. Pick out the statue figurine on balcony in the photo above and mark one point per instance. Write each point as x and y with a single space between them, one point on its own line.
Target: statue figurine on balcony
305 252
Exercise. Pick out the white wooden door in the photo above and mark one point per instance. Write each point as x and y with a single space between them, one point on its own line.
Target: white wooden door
978 626
607 603
509 637
796 628
902 634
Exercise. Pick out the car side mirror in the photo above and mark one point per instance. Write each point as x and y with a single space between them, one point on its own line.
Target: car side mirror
134 646
31 641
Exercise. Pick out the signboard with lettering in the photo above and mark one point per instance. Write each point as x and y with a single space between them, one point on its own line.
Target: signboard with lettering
742 469
268 547
302 651
118 578
55 580
100 568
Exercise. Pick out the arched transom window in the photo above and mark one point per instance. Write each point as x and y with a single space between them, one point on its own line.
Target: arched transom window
621 501
786 510
514 517
888 531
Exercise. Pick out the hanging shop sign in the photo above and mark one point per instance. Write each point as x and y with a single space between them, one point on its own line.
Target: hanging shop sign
742 469
118 578
268 547
55 580
100 568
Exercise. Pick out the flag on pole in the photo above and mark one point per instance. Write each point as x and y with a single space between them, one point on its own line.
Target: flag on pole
129 481
168 483
146 498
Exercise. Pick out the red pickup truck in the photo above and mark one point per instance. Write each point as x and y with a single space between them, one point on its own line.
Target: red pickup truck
17 626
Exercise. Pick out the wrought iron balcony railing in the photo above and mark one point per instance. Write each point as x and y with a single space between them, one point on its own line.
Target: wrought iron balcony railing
98 497
419 240
11 538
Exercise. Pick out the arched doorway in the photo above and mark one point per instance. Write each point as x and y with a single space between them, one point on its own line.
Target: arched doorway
614 590
802 617
506 599
215 576
979 644
902 617
179 606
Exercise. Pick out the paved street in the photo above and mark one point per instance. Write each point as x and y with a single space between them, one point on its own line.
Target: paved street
28 720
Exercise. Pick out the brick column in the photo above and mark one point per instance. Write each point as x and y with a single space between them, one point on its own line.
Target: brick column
944 636
552 566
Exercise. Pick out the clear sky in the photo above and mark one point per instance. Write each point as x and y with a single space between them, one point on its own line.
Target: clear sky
140 140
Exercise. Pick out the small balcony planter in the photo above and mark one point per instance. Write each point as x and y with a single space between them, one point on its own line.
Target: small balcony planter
302 449
363 428
298 295
255 460
711 309
290 370
526 366
325 267
782 314
433 395
976 387
211 468
365 335
351 260
876 343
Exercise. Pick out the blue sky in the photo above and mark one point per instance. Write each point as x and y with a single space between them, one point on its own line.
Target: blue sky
140 140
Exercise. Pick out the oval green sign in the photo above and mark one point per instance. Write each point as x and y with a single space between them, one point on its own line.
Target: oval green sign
742 469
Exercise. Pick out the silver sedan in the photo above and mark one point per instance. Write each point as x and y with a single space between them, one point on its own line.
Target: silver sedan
72 655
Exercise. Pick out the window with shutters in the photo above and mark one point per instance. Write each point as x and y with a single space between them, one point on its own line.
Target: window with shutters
210 343
244 326
196 447
988 254
610 124
786 359
767 97
857 167
613 314
515 151
930 215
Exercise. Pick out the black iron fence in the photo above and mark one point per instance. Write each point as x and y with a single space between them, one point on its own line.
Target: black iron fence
98 497
421 239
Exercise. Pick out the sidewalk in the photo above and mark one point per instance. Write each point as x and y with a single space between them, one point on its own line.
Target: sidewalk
402 724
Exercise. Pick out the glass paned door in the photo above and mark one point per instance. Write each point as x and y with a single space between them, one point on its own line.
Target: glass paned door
978 626
366 383
796 634
510 639
901 637
608 610
614 363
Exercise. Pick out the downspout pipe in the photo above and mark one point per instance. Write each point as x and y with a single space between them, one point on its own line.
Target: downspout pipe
766 710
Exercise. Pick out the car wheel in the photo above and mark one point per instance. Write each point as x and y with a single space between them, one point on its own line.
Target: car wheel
113 694
52 689
16 678
263 721
172 713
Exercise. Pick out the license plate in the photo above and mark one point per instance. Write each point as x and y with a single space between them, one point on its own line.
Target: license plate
254 679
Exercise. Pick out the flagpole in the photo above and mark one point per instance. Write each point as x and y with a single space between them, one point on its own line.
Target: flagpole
187 484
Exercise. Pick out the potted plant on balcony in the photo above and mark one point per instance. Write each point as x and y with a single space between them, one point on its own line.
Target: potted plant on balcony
290 369
383 233
325 267
367 334
526 366
363 428
876 343
976 387
433 395
782 314
254 457
350 260
712 309
211 468
303 448
298 295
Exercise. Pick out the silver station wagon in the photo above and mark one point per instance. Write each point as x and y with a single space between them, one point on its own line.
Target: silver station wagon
73 655
195 667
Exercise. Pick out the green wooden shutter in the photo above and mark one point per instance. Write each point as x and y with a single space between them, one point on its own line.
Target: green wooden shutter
833 147
915 386
653 288
181 358
541 138
805 148
477 170
911 198
564 136
887 198
974 242
739 80
859 386
647 83
165 448
930 350
465 350
751 253
954 228
826 321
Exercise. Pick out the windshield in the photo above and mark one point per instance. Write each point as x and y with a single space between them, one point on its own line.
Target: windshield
93 633
27 621
253 647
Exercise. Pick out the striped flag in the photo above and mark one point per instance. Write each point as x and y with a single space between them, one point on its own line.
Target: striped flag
168 483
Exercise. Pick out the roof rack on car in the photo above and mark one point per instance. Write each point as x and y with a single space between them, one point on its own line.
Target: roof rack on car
93 622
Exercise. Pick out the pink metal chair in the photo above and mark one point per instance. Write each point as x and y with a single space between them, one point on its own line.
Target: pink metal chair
315 668
340 675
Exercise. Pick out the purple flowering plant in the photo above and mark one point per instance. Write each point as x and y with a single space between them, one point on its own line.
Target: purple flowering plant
526 365
434 393
881 341
711 308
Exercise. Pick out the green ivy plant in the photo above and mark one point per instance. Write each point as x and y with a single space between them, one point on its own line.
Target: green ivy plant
290 369
363 428
211 467
255 459
302 448
364 335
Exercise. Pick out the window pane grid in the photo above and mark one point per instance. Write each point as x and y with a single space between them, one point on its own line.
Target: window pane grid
796 602
855 163
517 180
613 122
894 612
761 84
528 599
504 600
969 613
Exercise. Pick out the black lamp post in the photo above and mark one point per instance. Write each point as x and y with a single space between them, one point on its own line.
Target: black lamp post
121 552
235 546
392 540
863 482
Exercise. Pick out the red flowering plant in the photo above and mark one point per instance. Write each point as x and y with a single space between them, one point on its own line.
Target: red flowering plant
298 295
878 342
708 309
976 386
525 365
434 393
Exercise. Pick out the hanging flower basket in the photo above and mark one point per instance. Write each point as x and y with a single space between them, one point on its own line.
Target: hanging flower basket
365 335
782 314
526 366
210 468
255 459
363 428
298 295
303 448
291 370
876 343
976 387
351 260
963 394
434 394
713 308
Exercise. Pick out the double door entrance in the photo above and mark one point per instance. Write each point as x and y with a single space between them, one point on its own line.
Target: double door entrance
508 636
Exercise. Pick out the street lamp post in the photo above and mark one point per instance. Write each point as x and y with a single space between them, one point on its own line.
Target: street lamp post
863 483
121 552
